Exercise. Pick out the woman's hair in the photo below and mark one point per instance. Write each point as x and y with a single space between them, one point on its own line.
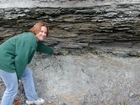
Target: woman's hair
37 28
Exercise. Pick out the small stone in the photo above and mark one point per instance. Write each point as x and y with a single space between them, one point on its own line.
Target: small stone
132 95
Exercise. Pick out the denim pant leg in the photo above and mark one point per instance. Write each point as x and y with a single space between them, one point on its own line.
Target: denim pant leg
28 84
11 82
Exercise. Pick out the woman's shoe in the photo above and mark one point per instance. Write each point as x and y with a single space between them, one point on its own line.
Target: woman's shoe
39 101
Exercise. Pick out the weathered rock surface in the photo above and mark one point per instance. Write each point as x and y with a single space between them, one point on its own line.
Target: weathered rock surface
86 79
102 24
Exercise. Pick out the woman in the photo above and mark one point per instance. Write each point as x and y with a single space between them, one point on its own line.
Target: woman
15 54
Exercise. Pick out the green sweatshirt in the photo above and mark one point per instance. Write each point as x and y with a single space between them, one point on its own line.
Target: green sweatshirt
18 51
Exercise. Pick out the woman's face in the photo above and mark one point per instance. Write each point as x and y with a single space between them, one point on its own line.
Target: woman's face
42 34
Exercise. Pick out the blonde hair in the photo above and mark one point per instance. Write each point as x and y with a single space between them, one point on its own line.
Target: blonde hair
37 28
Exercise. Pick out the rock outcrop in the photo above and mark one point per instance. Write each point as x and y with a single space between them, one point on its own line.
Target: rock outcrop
107 24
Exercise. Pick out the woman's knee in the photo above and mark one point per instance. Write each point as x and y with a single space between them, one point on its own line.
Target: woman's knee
12 89
11 82
11 92
27 72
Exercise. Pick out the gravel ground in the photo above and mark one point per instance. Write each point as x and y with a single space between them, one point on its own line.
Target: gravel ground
87 79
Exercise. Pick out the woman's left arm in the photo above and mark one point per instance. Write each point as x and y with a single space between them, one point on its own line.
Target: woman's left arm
44 48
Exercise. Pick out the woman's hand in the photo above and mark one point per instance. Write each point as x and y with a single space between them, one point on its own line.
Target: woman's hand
57 53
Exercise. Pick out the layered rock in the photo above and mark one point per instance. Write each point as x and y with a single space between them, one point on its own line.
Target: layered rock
107 25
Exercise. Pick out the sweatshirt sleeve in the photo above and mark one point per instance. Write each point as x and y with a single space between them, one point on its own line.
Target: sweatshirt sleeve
43 48
24 50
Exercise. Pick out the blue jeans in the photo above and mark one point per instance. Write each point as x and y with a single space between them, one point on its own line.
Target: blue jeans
11 82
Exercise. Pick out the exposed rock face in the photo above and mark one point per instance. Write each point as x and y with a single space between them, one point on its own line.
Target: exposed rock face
104 24
86 79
